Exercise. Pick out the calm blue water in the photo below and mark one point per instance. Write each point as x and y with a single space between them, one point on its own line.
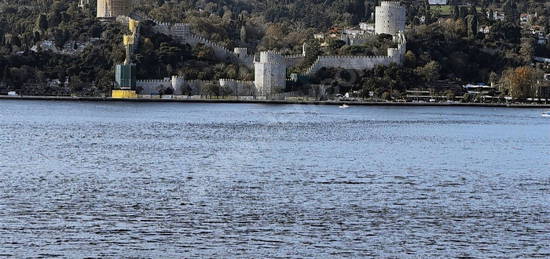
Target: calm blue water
232 180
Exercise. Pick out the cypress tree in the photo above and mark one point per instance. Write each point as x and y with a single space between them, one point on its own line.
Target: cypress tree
472 23
41 23
456 12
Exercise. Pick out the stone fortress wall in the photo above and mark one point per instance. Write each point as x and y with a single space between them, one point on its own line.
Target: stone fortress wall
390 18
270 69
182 32
153 86
356 40
293 60
395 55
182 86
239 87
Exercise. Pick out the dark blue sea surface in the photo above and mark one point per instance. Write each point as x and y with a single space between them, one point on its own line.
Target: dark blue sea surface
86 179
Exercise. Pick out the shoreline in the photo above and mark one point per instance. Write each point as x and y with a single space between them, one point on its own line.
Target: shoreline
274 102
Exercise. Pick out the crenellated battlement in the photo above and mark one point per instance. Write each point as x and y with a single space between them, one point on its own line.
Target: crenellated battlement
271 57
152 81
224 80
295 56
355 62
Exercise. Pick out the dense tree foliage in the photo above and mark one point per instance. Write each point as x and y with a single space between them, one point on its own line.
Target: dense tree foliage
443 45
521 82
26 23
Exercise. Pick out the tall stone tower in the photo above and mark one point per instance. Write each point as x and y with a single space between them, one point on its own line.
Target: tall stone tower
110 9
390 18
270 73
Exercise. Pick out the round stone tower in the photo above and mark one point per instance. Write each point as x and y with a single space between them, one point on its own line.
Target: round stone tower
177 84
111 9
390 18
270 73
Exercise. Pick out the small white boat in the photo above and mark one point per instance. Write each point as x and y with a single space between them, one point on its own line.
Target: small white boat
546 114
344 106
